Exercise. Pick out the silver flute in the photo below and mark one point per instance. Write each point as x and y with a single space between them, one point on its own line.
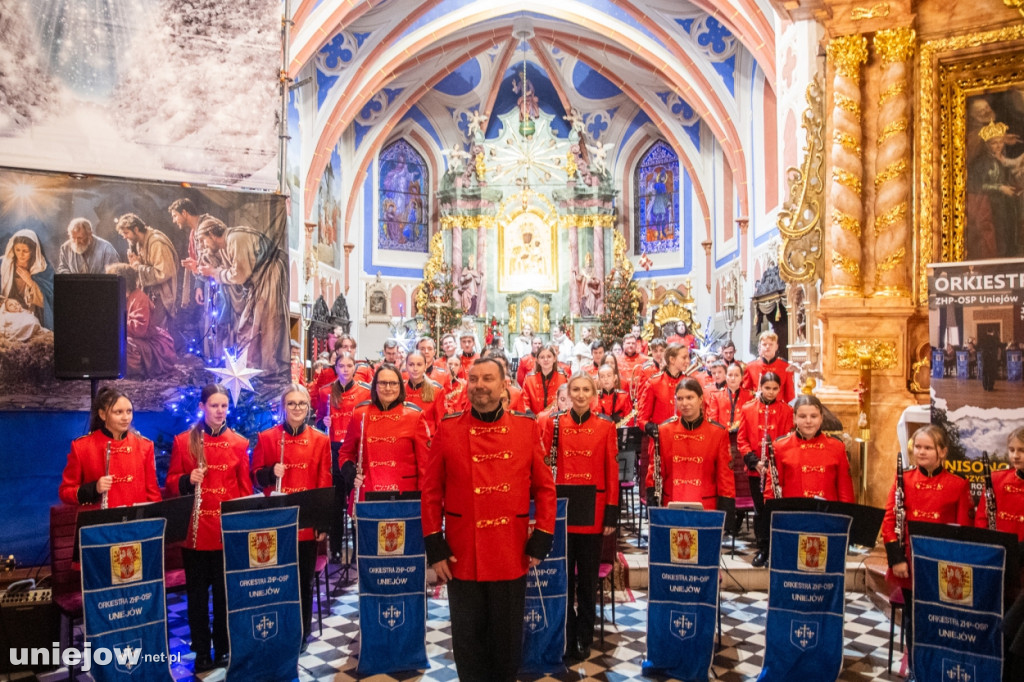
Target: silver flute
106 472
280 479
197 504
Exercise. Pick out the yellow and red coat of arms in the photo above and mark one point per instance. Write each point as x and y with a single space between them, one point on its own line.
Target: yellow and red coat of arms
812 553
390 537
683 545
262 548
126 563
956 583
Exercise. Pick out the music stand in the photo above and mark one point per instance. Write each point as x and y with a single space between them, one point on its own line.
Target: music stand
981 536
390 495
177 511
314 505
867 521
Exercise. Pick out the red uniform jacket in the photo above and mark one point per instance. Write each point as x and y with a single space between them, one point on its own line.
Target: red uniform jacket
752 377
587 453
455 399
616 405
131 464
433 411
658 400
938 498
440 374
364 372
539 394
227 477
695 462
307 462
1009 487
811 467
466 361
526 365
516 399
753 416
394 450
724 407
627 365
324 378
355 394
480 479
649 369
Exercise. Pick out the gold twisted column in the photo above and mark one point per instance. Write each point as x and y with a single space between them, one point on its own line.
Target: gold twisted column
846 54
895 47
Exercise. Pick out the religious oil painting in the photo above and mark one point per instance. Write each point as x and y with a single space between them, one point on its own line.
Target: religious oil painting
328 212
527 257
205 275
657 201
403 199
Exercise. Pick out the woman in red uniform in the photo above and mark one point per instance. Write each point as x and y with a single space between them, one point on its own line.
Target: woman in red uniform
542 383
387 442
295 457
615 402
1008 486
211 462
130 477
455 400
586 456
658 399
423 392
761 421
931 494
694 454
724 405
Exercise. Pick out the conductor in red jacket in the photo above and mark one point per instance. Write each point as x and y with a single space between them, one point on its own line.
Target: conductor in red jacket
484 466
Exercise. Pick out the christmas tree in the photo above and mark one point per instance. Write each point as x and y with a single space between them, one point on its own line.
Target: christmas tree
621 306
435 298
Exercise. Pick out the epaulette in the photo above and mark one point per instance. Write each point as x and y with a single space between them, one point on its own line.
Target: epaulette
784 437
604 417
434 383
365 402
714 423
656 374
669 420
413 406
752 400
81 437
364 385
528 415
453 415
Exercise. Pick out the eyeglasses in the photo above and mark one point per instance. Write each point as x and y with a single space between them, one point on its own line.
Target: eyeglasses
388 384
294 406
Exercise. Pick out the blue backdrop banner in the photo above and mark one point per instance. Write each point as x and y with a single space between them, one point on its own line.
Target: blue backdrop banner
958 609
807 583
684 553
123 599
392 587
544 615
261 568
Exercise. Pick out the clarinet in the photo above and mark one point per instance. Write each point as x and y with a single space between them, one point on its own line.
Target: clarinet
774 469
553 455
764 452
990 492
659 479
197 504
900 504
106 472
359 459
280 480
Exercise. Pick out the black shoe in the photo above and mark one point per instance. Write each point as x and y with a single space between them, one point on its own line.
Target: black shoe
573 653
584 651
203 664
220 661
760 559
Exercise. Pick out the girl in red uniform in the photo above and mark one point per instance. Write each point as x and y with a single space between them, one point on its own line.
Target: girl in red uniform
586 456
455 400
542 383
724 405
694 454
931 494
1008 485
615 402
810 463
423 392
212 462
764 417
299 457
131 476
387 442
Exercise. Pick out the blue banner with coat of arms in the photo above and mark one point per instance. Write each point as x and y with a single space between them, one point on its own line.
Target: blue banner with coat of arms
958 610
123 599
392 587
544 613
682 612
806 597
261 569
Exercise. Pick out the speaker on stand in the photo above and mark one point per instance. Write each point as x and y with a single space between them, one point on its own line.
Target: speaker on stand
89 327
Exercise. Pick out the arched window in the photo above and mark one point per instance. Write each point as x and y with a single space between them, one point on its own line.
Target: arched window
403 199
657 200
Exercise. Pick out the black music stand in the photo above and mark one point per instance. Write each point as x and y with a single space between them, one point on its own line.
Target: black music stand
177 511
390 495
981 536
314 506
867 521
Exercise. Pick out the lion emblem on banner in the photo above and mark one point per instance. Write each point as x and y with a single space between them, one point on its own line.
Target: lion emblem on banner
262 548
812 553
390 537
956 583
126 563
683 545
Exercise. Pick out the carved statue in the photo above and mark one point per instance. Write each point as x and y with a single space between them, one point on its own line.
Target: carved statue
590 289
469 287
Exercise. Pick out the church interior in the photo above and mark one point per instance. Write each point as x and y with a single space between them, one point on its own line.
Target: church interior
505 168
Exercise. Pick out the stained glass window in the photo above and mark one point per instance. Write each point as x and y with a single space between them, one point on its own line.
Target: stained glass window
657 200
403 199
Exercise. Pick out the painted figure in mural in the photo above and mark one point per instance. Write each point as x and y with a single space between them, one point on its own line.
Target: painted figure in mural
26 284
529 104
659 208
992 199
84 252
589 288
469 288
150 350
252 261
154 257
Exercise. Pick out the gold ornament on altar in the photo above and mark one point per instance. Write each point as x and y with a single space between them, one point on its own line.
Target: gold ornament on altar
881 353
570 164
847 53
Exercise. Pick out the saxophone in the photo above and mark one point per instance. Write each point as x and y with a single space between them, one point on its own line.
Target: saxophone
280 480
106 472
899 504
990 492
659 478
197 504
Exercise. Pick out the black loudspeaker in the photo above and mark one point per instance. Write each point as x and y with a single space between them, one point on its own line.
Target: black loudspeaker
89 326
28 620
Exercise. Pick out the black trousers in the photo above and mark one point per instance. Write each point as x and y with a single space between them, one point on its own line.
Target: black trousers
307 563
762 530
487 628
204 570
908 624
584 554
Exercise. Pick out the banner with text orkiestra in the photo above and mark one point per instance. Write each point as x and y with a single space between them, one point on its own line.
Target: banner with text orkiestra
123 599
544 611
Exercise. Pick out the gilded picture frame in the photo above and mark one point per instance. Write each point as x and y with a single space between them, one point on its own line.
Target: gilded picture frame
953 73
527 252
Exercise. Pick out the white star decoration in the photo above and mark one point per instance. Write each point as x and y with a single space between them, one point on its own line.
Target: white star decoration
235 375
